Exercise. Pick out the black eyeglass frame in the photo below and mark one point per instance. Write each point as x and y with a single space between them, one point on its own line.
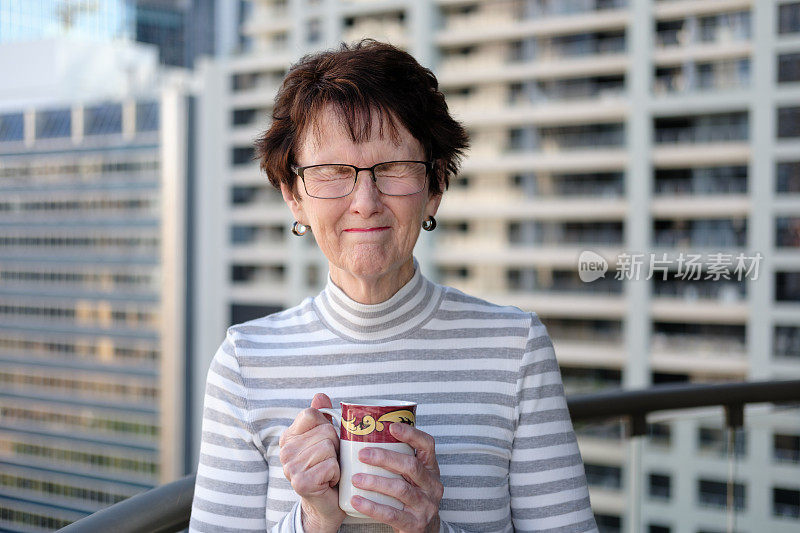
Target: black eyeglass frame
301 170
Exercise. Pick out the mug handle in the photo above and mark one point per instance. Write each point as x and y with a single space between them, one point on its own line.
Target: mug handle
336 414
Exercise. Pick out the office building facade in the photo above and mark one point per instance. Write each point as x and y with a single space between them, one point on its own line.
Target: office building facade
92 290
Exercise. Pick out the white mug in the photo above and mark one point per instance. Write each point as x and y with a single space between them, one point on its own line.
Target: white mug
365 424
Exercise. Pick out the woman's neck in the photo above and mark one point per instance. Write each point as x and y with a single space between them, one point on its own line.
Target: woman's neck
372 290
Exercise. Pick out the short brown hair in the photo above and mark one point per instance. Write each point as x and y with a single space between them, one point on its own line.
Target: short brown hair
358 80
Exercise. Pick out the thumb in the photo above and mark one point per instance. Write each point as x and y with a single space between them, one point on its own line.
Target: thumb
321 400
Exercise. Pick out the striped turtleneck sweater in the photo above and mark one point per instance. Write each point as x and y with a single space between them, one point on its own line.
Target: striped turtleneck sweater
485 379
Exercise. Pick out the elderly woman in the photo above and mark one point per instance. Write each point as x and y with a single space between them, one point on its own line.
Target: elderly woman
362 147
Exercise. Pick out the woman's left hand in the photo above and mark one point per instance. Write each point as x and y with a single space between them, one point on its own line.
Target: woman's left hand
419 488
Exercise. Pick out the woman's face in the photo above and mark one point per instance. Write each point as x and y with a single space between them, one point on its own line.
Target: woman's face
367 237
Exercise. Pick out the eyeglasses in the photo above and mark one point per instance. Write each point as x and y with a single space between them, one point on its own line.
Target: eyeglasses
392 178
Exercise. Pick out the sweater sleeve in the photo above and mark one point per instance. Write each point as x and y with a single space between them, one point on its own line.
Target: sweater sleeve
230 492
547 480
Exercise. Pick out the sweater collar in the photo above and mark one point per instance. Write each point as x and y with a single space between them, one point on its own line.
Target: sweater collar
409 308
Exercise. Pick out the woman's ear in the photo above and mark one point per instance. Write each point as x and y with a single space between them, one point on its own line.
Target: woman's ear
294 203
432 206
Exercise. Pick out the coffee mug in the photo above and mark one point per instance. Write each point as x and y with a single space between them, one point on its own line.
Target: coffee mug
365 424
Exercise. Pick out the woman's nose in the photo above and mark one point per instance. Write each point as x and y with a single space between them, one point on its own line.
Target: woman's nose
366 196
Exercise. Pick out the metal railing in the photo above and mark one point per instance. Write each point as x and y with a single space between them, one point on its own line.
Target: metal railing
167 508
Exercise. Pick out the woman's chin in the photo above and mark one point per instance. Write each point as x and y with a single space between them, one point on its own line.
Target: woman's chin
371 263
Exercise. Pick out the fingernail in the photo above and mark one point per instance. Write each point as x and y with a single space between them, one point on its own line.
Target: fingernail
366 453
397 427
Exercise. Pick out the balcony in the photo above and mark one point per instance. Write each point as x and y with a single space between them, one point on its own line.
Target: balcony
167 508
710 37
548 58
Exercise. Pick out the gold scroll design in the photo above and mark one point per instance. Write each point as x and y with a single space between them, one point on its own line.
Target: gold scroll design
368 424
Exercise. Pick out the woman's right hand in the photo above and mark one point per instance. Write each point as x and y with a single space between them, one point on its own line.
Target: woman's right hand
309 455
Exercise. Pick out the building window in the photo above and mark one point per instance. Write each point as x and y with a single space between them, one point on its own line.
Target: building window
788 122
102 119
244 81
787 341
608 523
713 128
786 448
660 434
242 117
242 155
786 502
660 486
603 476
788 177
787 232
788 68
147 116
242 312
53 123
787 286
11 127
241 195
243 234
715 494
715 440
314 31
789 18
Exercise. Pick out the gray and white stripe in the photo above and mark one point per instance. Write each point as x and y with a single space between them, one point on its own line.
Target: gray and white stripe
485 378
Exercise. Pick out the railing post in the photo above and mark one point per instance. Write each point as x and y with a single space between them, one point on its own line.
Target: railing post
734 421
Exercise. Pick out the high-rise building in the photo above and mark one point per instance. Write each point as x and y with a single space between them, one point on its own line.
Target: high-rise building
616 126
182 30
93 293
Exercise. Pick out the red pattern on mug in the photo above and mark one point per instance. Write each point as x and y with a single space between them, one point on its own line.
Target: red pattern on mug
370 423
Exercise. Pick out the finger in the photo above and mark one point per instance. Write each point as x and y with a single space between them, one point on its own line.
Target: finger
294 444
307 419
407 466
321 400
397 488
385 514
318 479
304 454
423 443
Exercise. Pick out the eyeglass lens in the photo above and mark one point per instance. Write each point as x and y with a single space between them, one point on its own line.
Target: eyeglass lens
393 178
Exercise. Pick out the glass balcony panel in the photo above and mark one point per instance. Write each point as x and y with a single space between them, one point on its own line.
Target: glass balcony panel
725 27
700 233
702 289
724 127
606 331
701 181
699 338
584 380
541 8
567 233
670 33
722 75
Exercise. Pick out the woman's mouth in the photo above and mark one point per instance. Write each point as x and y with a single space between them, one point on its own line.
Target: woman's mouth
366 230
